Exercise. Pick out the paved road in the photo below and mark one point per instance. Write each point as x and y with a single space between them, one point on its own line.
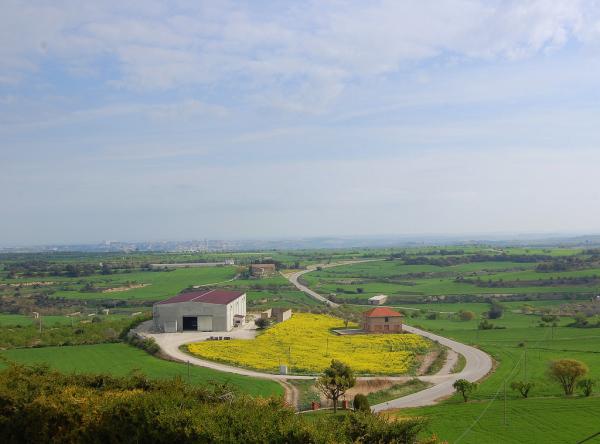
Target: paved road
293 278
170 343
478 364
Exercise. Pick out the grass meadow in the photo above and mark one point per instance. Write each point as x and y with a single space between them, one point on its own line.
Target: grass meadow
120 359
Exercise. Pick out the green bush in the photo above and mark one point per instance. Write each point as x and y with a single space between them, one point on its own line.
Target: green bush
43 406
361 403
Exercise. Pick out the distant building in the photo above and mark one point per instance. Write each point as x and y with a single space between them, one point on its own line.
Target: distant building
206 310
262 270
378 300
382 320
281 314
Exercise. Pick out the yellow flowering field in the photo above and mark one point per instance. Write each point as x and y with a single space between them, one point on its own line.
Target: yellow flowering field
306 345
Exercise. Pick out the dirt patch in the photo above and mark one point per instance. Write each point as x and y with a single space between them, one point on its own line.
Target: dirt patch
125 288
369 386
32 284
427 361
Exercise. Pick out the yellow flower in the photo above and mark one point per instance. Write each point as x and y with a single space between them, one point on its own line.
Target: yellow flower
306 344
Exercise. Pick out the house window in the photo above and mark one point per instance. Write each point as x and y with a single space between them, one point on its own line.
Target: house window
387 319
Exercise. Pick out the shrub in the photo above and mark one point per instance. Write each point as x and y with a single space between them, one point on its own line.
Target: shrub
361 403
586 386
262 322
466 315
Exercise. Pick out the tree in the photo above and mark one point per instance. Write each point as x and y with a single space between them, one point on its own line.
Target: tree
361 403
335 381
464 387
522 387
466 315
495 311
586 386
566 372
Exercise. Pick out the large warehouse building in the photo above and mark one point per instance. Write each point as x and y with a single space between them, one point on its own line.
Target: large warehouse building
207 310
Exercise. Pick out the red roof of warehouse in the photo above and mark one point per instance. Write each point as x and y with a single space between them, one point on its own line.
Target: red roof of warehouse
382 312
222 297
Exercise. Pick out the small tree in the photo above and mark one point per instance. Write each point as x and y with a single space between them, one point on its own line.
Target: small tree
361 403
464 387
262 323
522 387
335 381
466 315
586 386
566 372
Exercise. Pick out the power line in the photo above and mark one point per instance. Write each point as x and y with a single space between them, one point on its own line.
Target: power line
474 423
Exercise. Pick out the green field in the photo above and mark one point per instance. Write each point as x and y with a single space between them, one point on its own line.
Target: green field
523 351
416 282
120 359
533 421
12 320
159 284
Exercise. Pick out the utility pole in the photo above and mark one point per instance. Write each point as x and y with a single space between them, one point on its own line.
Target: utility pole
505 423
525 362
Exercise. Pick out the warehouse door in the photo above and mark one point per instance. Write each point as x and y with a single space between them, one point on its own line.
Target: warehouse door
190 323
205 323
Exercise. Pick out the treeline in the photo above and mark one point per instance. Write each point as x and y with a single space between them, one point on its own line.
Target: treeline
43 406
39 268
569 263
448 261
550 282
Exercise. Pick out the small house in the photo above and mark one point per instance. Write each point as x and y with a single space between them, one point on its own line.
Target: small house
382 320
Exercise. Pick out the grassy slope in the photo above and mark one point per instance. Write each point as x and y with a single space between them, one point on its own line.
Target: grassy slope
541 420
161 284
365 276
548 416
119 359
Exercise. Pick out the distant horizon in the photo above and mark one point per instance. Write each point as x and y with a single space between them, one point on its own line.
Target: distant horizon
430 239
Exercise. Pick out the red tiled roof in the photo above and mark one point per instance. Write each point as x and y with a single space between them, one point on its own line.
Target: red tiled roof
382 312
221 297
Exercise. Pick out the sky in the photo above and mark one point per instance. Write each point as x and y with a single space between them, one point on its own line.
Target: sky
150 120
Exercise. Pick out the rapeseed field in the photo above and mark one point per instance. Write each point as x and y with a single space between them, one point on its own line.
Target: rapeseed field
306 344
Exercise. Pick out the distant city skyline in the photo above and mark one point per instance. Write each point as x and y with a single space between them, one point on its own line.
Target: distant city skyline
229 120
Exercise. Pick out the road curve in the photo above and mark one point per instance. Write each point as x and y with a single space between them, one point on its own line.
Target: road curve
293 278
478 365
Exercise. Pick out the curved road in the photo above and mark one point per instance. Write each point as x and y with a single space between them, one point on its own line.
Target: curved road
293 278
478 364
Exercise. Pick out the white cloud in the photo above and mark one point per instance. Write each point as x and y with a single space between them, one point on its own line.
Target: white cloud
317 46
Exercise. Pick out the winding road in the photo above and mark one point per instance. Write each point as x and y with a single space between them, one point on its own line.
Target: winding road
478 364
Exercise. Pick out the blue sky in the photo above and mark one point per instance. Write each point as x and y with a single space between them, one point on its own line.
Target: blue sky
182 120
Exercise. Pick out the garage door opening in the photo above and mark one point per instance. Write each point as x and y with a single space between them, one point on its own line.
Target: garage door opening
190 323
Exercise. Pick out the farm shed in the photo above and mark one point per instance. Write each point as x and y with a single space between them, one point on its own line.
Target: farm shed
262 270
282 314
207 310
378 300
382 320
